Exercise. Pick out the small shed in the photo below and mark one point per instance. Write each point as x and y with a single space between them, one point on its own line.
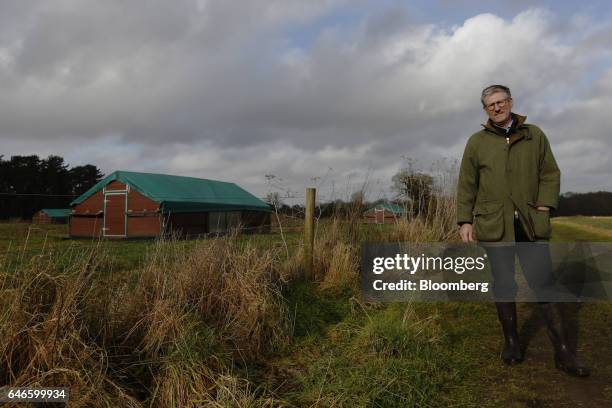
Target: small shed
51 216
130 204
384 213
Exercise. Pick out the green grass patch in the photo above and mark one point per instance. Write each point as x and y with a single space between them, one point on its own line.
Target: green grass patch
570 229
311 310
375 357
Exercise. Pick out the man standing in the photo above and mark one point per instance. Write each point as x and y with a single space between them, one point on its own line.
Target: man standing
508 182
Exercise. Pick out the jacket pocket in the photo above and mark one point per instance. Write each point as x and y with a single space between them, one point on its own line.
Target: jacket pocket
489 221
540 222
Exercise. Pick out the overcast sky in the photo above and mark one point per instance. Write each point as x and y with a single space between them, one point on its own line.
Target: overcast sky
314 92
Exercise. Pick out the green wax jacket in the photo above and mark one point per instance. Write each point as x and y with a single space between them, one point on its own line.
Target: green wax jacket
504 176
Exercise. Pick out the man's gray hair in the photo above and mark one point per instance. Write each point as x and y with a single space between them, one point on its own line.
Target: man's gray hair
490 90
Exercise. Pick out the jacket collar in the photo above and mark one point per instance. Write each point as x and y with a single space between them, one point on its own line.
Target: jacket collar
518 123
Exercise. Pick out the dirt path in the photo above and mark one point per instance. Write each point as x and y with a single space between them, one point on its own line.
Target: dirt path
536 382
590 334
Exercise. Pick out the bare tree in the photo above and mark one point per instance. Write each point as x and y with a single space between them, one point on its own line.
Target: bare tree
415 189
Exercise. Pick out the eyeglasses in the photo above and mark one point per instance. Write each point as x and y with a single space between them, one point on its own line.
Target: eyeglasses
491 107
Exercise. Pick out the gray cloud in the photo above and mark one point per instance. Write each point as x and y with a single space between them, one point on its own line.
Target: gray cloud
213 89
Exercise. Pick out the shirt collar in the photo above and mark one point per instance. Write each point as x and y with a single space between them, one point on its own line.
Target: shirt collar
506 128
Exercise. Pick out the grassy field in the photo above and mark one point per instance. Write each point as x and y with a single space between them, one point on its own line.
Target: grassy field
581 228
228 322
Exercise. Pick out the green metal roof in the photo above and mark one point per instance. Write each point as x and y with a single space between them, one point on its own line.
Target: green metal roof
57 212
394 208
183 194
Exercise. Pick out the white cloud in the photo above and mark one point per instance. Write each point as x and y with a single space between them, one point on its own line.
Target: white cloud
217 90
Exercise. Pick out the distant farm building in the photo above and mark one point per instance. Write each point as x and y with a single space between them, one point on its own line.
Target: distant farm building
51 216
128 204
386 213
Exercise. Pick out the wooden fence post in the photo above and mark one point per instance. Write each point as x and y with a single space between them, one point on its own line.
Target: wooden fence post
309 233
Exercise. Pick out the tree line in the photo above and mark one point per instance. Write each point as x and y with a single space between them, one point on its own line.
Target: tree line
595 203
29 184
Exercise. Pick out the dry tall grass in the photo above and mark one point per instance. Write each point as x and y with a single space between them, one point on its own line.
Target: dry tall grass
45 341
231 287
179 331
337 245
438 225
169 339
